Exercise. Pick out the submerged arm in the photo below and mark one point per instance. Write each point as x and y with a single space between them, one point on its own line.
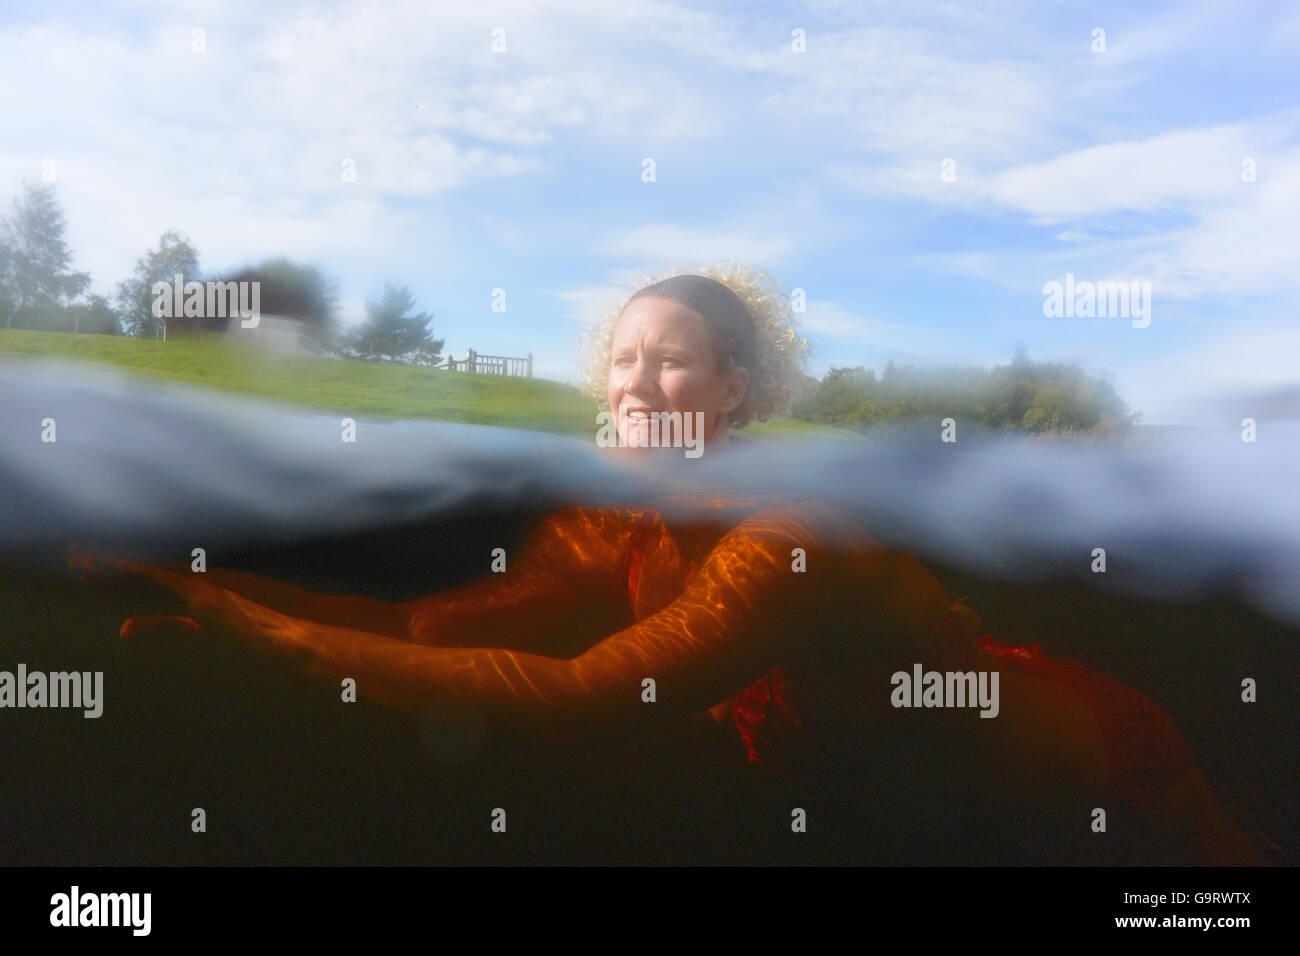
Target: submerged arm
344 610
728 627
561 587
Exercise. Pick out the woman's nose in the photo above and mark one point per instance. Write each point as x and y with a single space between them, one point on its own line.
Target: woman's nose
642 380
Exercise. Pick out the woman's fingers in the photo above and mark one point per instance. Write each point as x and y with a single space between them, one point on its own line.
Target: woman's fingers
206 602
151 625
188 586
204 599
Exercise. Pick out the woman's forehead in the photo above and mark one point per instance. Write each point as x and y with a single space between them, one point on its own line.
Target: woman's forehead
660 320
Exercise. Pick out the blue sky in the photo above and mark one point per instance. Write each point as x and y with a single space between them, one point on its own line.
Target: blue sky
522 169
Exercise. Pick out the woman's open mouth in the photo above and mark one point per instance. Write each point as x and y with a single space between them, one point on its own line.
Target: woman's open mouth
641 416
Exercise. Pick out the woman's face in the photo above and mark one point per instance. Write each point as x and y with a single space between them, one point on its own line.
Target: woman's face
662 359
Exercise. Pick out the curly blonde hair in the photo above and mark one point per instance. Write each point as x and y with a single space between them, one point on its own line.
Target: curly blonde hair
776 370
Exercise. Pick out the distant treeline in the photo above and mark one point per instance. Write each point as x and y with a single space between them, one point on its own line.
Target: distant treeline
1035 397
40 289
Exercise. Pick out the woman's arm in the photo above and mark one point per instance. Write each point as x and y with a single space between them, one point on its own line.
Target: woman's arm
738 616
739 612
561 587
344 610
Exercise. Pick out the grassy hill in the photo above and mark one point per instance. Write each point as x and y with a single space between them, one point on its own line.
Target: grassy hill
360 389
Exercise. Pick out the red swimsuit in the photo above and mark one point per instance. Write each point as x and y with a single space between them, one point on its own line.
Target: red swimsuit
1147 753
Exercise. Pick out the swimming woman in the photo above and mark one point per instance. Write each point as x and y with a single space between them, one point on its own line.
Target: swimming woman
779 624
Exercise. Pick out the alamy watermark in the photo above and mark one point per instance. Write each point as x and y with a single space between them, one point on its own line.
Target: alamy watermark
75 908
922 688
76 689
1117 300
212 299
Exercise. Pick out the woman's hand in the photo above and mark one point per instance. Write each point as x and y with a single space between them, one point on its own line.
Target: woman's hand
210 605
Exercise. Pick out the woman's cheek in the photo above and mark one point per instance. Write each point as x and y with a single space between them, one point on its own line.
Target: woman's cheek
676 389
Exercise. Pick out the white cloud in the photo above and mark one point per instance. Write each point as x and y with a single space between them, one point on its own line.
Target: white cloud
1194 227
1171 171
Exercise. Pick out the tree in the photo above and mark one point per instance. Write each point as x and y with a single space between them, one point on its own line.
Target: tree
36 272
296 291
1053 410
1028 396
7 292
96 315
174 256
390 334
839 399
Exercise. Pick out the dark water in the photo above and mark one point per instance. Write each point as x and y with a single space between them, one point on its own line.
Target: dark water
1201 531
